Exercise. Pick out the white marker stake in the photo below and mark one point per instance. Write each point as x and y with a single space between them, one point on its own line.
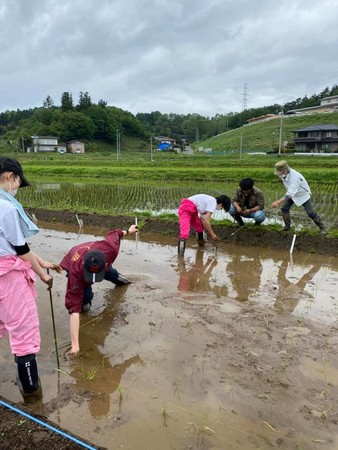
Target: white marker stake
293 243
79 221
291 262
136 234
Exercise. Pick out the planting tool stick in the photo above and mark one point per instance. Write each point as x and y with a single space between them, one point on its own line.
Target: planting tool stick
54 330
293 243
239 229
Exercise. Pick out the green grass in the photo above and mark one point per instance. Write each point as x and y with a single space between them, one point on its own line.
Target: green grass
169 167
265 135
135 186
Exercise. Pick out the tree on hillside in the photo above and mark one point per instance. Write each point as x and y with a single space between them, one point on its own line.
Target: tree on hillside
67 102
85 101
127 123
74 125
195 126
102 103
45 116
105 123
48 102
334 90
156 122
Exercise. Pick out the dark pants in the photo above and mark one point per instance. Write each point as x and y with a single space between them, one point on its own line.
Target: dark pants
111 275
307 206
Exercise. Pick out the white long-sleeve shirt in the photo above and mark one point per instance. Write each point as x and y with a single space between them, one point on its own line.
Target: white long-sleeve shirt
296 187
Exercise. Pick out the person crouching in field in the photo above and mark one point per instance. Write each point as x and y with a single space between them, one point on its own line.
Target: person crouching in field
86 264
248 202
196 212
19 267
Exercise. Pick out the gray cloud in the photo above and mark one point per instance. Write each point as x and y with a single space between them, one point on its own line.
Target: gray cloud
180 56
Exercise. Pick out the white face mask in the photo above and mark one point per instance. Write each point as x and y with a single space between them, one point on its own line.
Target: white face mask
282 175
13 191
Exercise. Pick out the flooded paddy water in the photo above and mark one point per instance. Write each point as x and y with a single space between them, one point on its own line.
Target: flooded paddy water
232 347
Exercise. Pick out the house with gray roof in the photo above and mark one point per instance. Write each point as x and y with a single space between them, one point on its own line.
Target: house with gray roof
317 139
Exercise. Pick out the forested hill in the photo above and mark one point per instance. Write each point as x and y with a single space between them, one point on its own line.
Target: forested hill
89 121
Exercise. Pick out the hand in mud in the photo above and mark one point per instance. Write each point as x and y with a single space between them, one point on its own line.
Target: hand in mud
73 351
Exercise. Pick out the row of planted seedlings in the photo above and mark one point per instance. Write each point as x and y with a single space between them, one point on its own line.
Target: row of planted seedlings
151 198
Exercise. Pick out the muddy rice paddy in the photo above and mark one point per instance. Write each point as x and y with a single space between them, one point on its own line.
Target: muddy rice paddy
233 347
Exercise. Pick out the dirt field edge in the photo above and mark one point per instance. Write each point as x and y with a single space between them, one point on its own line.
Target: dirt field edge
250 236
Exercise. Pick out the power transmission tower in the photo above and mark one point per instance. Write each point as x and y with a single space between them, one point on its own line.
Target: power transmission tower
245 97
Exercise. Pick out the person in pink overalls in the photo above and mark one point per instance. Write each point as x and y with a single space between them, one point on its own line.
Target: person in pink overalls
196 212
18 269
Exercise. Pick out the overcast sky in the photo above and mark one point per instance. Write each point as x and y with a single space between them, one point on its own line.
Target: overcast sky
179 56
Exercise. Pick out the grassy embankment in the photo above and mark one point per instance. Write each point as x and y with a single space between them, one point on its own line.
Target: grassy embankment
265 135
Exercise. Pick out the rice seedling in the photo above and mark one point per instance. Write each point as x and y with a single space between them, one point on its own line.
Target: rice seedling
200 431
63 372
165 414
120 393
269 426
325 361
90 374
143 196
177 388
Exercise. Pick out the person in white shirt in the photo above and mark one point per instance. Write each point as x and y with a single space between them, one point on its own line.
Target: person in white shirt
196 212
297 192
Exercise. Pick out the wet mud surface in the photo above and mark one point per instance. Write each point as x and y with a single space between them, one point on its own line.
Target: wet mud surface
232 347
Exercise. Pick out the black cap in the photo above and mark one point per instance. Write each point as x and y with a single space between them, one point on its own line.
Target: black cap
94 266
12 165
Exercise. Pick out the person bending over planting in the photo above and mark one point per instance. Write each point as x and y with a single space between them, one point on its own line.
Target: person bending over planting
196 212
86 264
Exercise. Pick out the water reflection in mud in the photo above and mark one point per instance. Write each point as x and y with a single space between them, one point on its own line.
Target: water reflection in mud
93 367
301 284
161 360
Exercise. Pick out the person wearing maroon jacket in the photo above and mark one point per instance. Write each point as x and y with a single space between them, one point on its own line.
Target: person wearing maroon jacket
85 264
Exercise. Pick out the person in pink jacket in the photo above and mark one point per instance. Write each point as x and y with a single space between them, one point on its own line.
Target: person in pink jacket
19 267
86 264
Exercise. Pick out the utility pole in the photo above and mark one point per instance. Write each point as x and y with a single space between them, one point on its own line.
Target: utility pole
118 144
241 146
22 143
151 148
280 133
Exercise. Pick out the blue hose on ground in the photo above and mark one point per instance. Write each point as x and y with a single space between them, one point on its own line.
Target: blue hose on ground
40 422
